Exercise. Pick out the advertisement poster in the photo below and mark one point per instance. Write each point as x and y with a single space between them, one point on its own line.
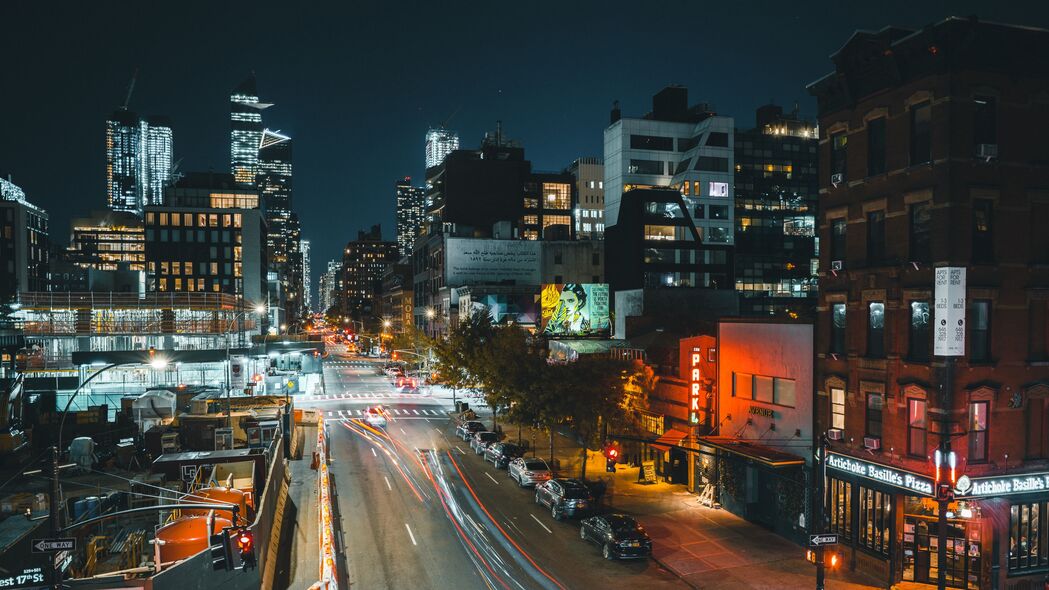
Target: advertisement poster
574 310
475 261
949 335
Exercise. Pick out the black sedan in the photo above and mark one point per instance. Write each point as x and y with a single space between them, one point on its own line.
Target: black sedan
620 536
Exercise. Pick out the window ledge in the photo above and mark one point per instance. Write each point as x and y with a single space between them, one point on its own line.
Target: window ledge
988 363
1026 572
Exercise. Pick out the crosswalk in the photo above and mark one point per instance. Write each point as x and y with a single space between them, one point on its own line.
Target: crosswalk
349 364
405 413
368 395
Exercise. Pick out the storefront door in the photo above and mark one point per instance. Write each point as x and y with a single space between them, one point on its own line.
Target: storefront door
921 547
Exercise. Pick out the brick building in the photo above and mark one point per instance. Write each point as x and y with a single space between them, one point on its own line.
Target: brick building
932 154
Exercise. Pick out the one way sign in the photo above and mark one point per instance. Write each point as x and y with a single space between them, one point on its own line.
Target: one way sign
824 539
52 545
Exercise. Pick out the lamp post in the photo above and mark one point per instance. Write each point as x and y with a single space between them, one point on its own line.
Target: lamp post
259 309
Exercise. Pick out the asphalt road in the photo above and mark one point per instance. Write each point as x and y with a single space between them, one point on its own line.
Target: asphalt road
420 510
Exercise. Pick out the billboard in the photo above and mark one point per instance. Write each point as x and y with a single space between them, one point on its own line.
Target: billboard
575 310
472 261
949 337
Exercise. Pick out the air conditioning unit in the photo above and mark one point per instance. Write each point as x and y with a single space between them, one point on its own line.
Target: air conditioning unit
987 151
835 434
837 179
872 443
836 265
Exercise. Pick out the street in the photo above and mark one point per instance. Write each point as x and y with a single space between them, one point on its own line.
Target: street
419 509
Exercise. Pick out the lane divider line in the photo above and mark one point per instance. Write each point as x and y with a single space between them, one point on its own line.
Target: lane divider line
491 478
389 487
410 534
540 523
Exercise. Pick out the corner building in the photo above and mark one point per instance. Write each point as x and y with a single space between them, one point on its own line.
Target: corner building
931 155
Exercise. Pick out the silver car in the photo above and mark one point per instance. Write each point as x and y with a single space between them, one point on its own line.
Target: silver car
529 471
480 441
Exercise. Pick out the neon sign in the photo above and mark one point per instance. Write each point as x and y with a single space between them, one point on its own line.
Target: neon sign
695 383
887 475
994 486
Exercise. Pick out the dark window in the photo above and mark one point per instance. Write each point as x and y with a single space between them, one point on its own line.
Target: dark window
876 146
558 279
918 337
1037 428
838 228
1038 236
717 139
876 330
983 231
916 428
921 133
985 123
595 259
980 330
698 212
652 142
978 432
711 164
875 237
558 258
719 211
875 520
839 143
837 329
921 232
839 506
685 143
646 167
875 407
1028 536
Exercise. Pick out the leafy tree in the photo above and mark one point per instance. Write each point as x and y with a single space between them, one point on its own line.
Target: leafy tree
593 391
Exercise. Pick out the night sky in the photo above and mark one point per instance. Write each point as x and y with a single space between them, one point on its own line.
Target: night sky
356 84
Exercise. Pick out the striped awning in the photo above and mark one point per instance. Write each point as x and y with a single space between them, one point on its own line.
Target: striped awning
670 438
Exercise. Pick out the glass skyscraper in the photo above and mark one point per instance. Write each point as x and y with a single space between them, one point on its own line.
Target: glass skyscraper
246 130
411 210
138 160
159 140
439 143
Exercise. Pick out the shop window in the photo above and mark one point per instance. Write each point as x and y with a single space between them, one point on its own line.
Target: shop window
875 237
1038 428
919 335
875 408
921 133
1028 536
839 507
875 520
876 146
921 232
980 330
837 408
837 329
876 330
916 428
978 431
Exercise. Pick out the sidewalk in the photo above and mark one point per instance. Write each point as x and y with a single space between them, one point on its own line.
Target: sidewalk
304 554
705 547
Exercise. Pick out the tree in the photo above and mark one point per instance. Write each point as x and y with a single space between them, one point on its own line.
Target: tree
592 390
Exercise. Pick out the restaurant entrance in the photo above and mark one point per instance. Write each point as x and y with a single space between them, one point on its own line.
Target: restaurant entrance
921 543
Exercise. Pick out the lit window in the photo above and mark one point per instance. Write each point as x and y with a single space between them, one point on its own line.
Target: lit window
837 408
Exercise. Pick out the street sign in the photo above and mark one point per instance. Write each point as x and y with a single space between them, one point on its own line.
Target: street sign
50 545
823 539
28 577
949 313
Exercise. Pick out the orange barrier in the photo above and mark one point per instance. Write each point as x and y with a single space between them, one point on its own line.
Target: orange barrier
328 580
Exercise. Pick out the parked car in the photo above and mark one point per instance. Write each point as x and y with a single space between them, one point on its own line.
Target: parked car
480 441
528 471
619 535
468 428
376 417
500 454
564 497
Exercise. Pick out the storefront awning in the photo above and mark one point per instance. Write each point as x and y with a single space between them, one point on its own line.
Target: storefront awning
670 438
755 452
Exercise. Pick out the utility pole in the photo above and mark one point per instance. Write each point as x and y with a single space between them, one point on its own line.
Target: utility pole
818 520
945 449
54 506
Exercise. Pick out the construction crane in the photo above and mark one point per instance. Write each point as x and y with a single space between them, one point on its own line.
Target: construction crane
130 89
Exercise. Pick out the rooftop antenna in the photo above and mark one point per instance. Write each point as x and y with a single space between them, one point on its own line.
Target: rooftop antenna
130 89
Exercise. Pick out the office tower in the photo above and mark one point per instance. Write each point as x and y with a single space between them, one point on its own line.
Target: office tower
246 130
158 156
776 200
125 165
363 263
307 278
329 284
932 319
589 175
411 211
107 240
24 243
439 143
274 182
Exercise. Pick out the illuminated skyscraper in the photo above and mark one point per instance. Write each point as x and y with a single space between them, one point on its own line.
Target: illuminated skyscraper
439 143
246 130
158 158
411 211
273 178
125 167
307 279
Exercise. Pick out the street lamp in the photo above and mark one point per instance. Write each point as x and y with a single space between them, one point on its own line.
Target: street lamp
258 309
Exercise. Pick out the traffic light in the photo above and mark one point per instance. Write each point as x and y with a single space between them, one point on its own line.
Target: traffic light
221 559
394 357
611 457
831 559
246 547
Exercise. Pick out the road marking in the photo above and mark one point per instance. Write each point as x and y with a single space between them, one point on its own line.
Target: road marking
491 478
388 486
330 414
416 412
403 432
374 454
460 450
427 419
540 523
410 534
